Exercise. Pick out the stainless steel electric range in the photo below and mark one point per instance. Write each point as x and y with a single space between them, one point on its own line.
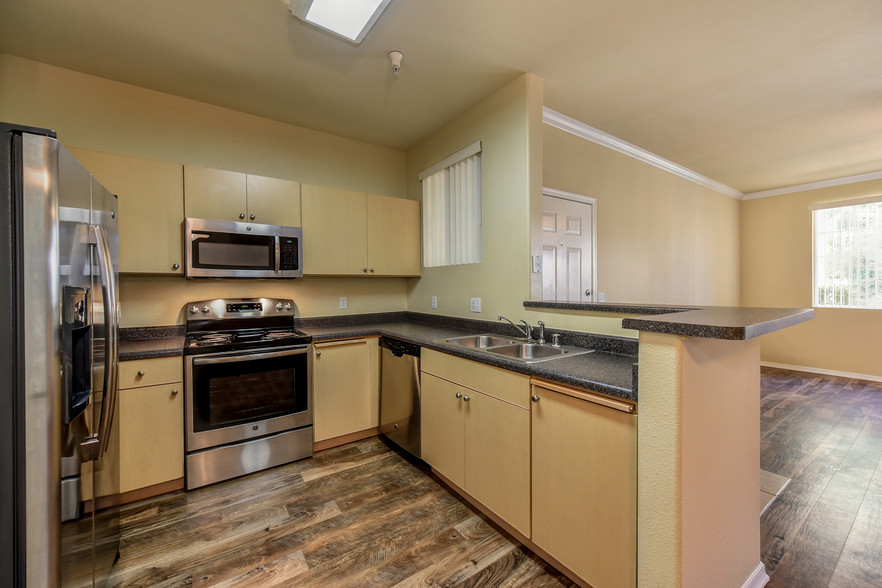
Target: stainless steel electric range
246 385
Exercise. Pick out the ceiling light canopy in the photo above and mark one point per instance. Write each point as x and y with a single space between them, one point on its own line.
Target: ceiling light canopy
350 19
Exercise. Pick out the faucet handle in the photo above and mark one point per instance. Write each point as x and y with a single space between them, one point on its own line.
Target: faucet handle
555 339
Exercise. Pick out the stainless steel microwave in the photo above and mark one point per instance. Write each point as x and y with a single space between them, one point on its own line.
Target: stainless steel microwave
227 249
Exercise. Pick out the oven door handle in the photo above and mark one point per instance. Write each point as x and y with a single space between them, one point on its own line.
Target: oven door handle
248 356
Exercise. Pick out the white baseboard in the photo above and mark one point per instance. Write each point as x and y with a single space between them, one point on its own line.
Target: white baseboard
814 370
758 578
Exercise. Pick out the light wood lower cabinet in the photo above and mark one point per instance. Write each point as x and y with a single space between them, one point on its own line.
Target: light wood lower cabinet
151 423
345 387
584 473
479 439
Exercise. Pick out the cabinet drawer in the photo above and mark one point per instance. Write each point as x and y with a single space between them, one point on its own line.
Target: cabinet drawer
160 370
502 384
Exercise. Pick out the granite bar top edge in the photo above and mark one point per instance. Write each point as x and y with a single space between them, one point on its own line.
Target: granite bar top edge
641 309
726 323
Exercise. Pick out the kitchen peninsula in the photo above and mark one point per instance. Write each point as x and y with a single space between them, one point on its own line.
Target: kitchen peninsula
697 422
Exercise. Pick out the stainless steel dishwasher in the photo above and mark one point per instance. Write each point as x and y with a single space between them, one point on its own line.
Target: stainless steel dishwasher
400 394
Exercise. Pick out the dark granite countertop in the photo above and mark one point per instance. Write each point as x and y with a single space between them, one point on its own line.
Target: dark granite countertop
610 370
732 323
150 342
713 322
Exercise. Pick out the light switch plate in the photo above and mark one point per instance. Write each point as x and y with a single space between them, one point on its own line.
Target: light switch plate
434 302
476 305
344 302
601 296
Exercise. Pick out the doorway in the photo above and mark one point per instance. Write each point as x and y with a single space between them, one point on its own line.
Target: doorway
568 246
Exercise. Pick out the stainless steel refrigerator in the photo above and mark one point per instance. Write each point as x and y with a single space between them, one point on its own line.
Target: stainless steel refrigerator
59 326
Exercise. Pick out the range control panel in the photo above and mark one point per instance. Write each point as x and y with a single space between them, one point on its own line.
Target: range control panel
245 307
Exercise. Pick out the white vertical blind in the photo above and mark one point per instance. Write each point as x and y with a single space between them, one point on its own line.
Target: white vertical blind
848 255
452 211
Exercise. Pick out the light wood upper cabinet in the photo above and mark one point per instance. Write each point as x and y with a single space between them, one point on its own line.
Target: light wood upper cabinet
345 392
354 233
476 437
273 199
584 475
234 196
334 231
150 209
393 236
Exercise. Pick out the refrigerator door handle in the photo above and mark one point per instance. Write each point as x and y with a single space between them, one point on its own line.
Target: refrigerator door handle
95 445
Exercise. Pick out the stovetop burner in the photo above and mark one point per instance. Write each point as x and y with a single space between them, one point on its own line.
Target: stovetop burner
241 324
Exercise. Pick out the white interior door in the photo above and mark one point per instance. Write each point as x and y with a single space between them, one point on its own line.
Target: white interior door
567 249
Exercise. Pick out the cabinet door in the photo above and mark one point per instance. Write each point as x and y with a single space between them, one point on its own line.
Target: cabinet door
343 398
214 194
497 458
393 236
442 417
151 424
585 487
151 208
272 201
334 231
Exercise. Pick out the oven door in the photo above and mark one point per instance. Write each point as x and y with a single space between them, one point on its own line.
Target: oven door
235 396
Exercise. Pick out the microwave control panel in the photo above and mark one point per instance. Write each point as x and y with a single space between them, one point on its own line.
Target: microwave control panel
288 253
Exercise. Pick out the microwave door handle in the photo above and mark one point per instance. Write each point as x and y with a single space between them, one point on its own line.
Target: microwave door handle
95 445
278 251
248 356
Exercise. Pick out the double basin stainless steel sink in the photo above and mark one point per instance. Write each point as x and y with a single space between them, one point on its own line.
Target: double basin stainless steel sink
516 349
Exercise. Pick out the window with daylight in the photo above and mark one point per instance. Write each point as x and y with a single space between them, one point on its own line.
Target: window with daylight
452 209
847 243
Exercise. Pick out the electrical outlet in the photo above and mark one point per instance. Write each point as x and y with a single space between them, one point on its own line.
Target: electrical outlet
476 305
344 302
601 296
434 302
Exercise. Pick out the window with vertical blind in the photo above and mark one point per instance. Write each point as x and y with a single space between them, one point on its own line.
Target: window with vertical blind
452 209
847 244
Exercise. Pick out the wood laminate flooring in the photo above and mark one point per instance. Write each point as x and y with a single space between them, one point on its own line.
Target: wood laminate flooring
363 515
825 528
356 515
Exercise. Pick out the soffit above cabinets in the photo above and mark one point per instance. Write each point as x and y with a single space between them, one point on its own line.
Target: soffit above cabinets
753 94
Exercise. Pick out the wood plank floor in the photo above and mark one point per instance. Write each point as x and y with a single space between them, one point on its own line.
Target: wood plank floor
362 515
356 515
825 528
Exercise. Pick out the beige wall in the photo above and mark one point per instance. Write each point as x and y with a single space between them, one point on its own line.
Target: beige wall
699 401
776 270
103 115
661 239
501 280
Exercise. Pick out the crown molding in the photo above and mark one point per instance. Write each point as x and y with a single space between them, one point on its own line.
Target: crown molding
580 129
814 185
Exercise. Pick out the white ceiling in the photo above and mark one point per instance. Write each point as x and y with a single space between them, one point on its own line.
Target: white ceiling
756 94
